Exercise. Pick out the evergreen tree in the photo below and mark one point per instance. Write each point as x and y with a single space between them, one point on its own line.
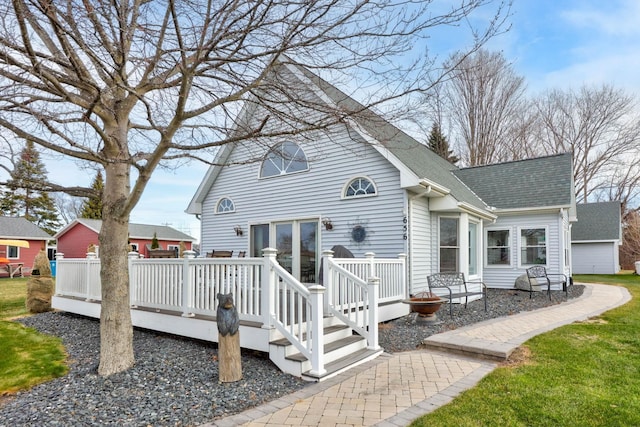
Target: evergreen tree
92 207
154 242
23 195
439 144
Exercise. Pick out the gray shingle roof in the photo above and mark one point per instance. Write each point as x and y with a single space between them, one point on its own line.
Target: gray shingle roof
597 221
21 228
532 183
143 231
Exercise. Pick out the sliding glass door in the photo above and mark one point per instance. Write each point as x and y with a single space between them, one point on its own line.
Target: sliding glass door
296 242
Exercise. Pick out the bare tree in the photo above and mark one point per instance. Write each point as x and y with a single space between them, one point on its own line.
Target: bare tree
484 99
630 249
68 207
601 126
132 85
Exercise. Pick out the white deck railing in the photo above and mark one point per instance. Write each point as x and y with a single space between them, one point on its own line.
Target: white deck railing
263 292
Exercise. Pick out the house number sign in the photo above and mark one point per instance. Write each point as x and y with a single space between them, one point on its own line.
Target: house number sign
404 227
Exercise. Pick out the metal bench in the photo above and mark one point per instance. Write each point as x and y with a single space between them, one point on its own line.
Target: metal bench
539 274
456 286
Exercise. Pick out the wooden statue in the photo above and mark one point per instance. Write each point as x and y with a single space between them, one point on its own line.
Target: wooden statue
229 360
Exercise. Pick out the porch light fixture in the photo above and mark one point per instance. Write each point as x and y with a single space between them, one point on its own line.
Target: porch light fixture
238 230
327 223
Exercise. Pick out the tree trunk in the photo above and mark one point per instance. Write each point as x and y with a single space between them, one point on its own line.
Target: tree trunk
229 360
116 329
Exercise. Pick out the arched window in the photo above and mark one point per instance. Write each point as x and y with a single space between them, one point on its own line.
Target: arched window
283 159
359 187
225 205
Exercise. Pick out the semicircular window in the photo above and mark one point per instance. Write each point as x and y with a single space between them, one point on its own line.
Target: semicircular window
283 159
225 205
360 186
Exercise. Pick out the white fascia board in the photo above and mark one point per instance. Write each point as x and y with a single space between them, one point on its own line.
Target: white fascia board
451 204
530 210
432 186
466 207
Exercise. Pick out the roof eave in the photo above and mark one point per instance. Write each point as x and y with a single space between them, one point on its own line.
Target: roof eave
530 209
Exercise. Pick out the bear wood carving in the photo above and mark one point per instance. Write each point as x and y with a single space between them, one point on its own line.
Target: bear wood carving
229 361
227 315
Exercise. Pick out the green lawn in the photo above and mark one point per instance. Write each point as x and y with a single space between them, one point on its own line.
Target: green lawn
583 374
26 356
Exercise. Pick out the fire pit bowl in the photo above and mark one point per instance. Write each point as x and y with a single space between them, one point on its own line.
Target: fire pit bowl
425 304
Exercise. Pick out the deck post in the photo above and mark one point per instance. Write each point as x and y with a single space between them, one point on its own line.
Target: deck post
370 256
187 293
89 257
325 280
133 284
268 288
403 274
317 330
373 285
59 256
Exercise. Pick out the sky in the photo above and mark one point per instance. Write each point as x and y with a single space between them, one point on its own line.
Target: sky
551 43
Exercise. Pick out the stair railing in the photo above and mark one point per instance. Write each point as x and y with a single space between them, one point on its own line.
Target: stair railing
295 311
352 299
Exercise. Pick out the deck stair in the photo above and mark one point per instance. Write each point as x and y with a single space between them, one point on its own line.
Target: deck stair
343 349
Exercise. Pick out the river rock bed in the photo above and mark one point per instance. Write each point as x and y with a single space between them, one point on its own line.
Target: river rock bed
175 380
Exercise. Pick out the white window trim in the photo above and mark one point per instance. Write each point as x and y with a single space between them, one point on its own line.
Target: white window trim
346 185
17 252
486 247
220 201
479 246
457 218
519 243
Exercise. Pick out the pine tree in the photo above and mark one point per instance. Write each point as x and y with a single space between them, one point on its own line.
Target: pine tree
439 144
154 242
92 207
25 197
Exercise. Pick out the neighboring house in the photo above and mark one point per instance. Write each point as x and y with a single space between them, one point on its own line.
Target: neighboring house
17 260
75 238
368 186
596 238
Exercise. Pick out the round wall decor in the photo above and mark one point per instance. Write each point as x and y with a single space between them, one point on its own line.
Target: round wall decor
358 233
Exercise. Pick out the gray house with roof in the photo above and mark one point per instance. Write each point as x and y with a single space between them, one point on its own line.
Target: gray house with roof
368 186
596 238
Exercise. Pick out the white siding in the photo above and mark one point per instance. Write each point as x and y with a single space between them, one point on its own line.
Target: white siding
420 244
312 194
595 258
504 277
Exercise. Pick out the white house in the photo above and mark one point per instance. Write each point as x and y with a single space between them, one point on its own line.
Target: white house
596 238
368 186
357 182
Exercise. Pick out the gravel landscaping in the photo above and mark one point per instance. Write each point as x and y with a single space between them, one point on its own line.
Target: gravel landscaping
175 381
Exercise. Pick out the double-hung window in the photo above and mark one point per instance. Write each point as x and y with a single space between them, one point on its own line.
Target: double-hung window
449 245
533 246
498 247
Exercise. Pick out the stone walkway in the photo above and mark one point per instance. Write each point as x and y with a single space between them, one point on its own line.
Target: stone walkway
393 390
